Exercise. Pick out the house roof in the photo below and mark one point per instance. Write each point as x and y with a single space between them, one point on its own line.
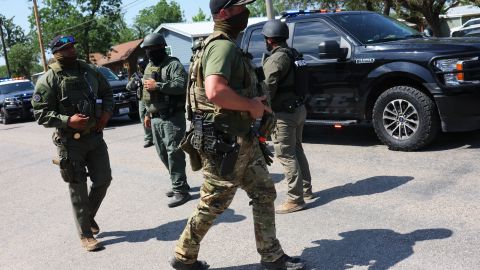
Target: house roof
198 29
462 11
117 53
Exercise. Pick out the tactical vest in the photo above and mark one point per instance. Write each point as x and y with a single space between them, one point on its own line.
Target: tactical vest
156 101
77 94
228 121
296 79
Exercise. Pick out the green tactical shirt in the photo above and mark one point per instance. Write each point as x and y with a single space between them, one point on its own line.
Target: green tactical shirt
48 92
279 74
222 57
171 81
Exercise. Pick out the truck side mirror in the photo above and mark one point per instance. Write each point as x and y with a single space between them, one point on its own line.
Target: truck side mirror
330 49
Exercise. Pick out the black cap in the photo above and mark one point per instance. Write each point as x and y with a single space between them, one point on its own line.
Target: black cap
217 5
60 41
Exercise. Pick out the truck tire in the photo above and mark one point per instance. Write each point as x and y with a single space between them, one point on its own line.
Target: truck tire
405 119
4 118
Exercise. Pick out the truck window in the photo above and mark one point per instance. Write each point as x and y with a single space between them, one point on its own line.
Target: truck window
308 35
256 46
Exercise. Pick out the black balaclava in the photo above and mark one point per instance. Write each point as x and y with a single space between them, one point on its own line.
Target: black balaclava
233 25
156 55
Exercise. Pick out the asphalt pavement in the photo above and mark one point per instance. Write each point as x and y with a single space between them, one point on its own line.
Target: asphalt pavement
375 208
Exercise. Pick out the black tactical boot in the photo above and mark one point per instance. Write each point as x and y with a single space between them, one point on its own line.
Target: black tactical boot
284 263
179 199
147 144
178 265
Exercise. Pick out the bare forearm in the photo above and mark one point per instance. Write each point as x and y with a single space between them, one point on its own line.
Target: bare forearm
227 98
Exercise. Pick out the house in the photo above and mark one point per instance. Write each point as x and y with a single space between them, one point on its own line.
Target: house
181 36
121 57
457 16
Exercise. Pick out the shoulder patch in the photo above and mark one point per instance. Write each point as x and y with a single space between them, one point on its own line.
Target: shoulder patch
36 98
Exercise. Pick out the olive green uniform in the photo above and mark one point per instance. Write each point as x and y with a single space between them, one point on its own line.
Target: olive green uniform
287 136
220 56
166 107
142 110
83 90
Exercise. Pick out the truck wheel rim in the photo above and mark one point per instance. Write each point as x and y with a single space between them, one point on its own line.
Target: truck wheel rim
400 119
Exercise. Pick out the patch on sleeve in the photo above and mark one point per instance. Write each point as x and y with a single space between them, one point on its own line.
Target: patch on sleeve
36 98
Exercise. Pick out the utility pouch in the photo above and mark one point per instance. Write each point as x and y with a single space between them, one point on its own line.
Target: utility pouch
228 155
67 106
187 146
67 170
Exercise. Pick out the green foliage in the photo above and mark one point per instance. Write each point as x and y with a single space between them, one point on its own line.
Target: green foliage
13 33
148 19
201 16
89 21
21 60
3 71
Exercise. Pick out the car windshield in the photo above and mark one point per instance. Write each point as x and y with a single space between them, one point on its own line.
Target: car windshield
15 87
372 28
108 74
472 22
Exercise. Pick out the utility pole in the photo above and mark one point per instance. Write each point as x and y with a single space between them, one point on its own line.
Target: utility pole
4 49
269 6
39 33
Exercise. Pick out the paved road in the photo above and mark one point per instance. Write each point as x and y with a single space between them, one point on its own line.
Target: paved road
376 209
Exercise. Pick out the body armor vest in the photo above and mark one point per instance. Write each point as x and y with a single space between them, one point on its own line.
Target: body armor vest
228 121
78 93
155 100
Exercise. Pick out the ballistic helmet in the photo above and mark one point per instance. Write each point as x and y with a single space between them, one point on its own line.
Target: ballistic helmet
275 29
153 39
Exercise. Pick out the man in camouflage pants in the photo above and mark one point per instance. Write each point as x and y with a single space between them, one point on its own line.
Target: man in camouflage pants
224 103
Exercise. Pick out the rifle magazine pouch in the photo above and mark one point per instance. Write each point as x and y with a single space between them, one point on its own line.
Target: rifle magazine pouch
187 146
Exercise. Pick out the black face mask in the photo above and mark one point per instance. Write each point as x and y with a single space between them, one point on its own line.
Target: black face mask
156 55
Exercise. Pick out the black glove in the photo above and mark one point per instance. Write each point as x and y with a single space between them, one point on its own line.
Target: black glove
266 153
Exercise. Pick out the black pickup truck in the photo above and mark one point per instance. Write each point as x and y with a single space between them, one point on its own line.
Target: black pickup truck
366 67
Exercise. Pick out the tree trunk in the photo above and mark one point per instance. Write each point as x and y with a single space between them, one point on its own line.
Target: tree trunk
387 5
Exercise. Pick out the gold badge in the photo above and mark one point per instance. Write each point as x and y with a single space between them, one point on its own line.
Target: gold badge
76 136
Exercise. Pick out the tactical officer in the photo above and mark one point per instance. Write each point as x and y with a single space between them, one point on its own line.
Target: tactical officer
223 104
135 85
290 112
77 100
164 87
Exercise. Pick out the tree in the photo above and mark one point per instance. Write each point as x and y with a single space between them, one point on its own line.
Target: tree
89 21
22 59
201 16
148 19
125 33
430 10
13 33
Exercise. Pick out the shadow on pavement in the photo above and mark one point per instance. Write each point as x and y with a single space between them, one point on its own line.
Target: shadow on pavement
167 232
447 141
377 249
369 186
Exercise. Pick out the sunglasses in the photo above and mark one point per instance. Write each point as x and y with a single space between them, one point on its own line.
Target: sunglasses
64 40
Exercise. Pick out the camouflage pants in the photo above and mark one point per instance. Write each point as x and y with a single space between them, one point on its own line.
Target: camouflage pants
90 151
217 193
287 142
